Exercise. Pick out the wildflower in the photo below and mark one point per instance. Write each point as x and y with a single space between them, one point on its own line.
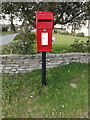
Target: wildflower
62 106
52 113
10 81
31 96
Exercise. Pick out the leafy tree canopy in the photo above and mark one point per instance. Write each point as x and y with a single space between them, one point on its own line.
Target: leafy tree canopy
63 12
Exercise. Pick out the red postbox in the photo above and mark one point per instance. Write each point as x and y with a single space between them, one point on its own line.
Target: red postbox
44 26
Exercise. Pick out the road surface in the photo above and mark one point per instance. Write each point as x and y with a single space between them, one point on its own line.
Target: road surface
4 40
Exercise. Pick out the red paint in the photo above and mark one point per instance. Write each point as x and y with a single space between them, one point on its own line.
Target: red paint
44 24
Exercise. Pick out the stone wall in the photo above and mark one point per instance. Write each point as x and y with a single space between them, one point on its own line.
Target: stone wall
26 63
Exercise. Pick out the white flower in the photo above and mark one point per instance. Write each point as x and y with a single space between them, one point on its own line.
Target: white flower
31 96
52 113
62 106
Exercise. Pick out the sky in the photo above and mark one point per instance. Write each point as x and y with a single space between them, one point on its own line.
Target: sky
15 21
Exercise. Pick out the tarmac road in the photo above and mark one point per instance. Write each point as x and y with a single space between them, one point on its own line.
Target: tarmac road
4 40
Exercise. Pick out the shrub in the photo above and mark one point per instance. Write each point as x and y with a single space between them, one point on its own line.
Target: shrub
22 44
64 33
18 36
71 34
78 46
80 34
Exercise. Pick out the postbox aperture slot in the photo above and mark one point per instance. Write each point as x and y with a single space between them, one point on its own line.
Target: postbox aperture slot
44 20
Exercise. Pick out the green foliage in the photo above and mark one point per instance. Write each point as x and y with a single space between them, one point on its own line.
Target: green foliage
58 8
80 34
64 33
71 34
22 44
18 36
78 46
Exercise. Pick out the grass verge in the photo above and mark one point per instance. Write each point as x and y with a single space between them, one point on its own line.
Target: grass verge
7 33
25 97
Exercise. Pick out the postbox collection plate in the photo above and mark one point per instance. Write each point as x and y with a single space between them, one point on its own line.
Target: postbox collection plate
44 39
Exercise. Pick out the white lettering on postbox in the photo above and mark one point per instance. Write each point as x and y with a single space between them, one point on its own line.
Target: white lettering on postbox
44 39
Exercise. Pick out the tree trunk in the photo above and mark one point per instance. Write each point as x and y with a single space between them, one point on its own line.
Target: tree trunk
12 25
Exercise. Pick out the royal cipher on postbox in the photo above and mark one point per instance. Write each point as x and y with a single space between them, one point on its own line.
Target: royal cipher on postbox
44 26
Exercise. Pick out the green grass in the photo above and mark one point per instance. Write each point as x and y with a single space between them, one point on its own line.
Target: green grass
25 97
7 33
62 43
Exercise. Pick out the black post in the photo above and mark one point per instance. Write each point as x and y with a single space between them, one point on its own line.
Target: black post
44 68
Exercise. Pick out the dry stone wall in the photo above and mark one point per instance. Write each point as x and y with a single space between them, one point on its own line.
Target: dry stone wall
25 63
